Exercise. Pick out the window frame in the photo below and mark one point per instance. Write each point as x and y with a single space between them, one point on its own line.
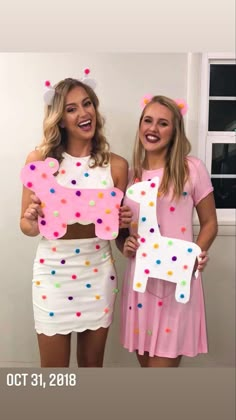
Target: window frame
207 138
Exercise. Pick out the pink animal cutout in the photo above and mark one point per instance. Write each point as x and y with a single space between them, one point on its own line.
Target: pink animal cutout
61 204
158 256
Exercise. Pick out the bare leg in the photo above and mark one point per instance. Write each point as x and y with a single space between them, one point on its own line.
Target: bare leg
143 359
54 350
91 347
163 361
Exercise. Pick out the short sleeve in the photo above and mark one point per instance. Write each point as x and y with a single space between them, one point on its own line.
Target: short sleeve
202 185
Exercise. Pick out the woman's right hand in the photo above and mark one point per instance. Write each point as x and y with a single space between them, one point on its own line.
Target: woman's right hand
31 214
131 245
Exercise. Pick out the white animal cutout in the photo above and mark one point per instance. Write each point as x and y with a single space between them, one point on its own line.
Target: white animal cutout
158 256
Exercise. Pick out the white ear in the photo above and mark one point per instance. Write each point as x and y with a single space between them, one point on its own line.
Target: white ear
90 82
87 80
142 191
48 95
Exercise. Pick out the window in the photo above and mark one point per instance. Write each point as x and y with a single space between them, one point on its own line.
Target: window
218 130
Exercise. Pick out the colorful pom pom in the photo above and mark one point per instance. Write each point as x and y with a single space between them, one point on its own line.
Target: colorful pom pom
183 107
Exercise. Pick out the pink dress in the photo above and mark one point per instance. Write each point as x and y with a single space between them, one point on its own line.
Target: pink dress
154 321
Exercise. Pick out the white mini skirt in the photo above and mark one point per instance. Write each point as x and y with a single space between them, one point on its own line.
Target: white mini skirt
74 285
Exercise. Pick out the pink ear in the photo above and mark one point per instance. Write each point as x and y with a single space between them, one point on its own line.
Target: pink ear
145 100
182 104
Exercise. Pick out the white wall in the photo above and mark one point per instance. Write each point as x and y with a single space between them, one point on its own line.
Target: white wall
122 81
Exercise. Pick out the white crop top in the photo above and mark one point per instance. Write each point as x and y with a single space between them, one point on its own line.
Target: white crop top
75 172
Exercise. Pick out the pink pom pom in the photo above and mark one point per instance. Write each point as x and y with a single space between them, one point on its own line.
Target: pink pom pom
86 71
47 83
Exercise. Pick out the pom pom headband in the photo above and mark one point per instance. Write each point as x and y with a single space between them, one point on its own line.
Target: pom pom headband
182 105
49 91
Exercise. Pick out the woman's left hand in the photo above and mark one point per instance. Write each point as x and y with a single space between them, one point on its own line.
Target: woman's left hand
125 217
202 261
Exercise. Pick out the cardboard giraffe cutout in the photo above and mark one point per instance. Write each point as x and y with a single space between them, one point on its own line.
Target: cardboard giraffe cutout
159 256
60 204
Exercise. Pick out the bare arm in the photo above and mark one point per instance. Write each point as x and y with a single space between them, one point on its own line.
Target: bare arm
30 206
119 169
120 240
208 226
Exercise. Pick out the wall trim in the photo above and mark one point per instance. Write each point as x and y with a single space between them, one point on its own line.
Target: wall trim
224 229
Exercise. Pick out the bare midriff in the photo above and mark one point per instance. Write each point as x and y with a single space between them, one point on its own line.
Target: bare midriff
77 231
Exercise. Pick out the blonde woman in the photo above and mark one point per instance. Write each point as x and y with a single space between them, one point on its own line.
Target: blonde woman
154 325
74 278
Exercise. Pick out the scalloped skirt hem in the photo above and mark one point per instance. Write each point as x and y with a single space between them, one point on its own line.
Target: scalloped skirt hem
71 330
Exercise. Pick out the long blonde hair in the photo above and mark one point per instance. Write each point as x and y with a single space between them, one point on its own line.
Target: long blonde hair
176 170
55 137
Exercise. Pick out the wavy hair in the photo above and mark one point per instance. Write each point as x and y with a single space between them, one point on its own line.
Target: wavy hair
55 137
176 171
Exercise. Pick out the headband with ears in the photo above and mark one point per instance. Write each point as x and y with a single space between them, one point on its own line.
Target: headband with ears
49 91
182 105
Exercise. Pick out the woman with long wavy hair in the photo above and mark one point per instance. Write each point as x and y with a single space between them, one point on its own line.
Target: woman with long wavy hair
74 278
154 324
